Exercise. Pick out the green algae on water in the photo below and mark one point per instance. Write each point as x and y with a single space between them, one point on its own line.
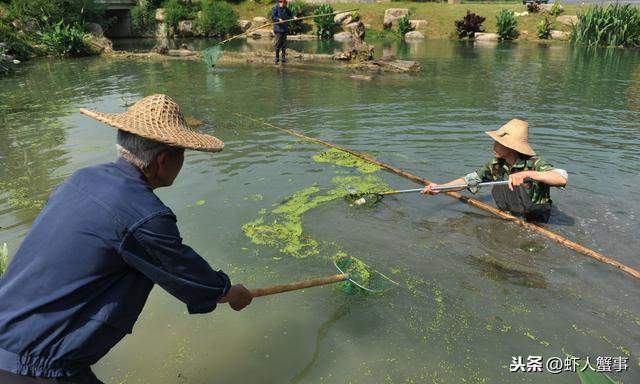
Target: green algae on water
356 269
341 158
282 227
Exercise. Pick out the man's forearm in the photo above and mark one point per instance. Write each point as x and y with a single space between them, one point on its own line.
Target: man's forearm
551 178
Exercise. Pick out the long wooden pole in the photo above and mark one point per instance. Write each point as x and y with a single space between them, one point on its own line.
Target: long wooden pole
283 21
469 200
272 290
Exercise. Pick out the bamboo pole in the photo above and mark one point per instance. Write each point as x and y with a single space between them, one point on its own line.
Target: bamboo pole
465 199
274 289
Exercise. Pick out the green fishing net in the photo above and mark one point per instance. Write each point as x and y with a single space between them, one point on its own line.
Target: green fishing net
211 55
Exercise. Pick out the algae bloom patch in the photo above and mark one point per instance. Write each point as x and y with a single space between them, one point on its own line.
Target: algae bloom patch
344 159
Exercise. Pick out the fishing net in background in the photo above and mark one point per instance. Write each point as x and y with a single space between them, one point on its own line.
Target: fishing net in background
211 55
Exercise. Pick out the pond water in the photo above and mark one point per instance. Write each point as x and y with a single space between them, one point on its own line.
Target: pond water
474 290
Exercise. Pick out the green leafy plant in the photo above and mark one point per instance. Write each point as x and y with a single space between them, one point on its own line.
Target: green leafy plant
556 9
507 24
613 25
16 44
218 18
355 15
64 40
143 17
49 12
533 7
404 25
544 28
175 11
298 9
469 25
324 24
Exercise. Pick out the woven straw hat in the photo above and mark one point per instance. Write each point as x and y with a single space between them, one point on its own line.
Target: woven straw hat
514 135
159 118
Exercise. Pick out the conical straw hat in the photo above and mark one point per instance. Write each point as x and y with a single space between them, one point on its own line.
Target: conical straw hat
159 118
514 135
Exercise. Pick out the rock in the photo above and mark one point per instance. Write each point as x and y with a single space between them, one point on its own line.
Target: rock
567 19
559 35
520 14
160 15
393 14
100 44
483 36
262 33
244 25
342 36
454 1
258 20
341 18
418 24
180 52
185 28
302 37
547 7
94 28
413 35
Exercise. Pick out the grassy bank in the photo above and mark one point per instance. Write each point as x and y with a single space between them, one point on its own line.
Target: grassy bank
440 17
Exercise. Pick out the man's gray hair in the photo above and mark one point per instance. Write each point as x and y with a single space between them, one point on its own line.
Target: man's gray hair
137 150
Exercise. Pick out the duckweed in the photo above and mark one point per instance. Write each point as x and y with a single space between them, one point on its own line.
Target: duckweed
337 157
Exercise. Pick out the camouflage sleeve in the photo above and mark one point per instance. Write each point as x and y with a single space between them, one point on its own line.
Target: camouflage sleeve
541 165
484 172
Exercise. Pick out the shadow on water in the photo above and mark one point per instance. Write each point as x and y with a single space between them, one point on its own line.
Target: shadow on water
503 270
341 312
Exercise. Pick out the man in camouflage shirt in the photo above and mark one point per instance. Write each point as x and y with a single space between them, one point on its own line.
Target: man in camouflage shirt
530 177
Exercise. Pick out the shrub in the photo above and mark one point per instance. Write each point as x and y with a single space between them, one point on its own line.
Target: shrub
469 25
544 28
556 9
143 17
64 40
613 25
533 7
16 45
324 24
507 24
49 12
404 25
175 11
298 9
218 18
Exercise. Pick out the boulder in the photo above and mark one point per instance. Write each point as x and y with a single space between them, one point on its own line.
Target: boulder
520 14
413 35
341 18
259 20
185 28
567 19
342 36
263 33
560 35
244 25
418 24
547 7
94 29
393 14
302 37
483 36
454 1
160 15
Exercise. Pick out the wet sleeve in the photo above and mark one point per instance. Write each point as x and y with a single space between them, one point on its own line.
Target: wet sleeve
155 249
542 165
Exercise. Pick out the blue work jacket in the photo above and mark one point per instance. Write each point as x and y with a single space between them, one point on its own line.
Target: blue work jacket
283 13
83 273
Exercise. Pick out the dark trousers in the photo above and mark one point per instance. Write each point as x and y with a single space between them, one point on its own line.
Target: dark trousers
519 203
281 44
85 378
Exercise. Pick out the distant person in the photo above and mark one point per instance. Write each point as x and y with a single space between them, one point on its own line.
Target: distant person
281 12
530 176
84 271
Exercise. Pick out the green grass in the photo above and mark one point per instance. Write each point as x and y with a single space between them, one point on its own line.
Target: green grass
440 17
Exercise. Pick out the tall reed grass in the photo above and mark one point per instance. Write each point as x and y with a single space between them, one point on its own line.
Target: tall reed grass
611 26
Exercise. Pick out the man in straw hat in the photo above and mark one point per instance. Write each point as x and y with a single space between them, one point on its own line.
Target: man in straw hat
527 193
84 271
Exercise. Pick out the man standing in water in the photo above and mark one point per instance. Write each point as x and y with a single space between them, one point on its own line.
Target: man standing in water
530 177
84 271
280 13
